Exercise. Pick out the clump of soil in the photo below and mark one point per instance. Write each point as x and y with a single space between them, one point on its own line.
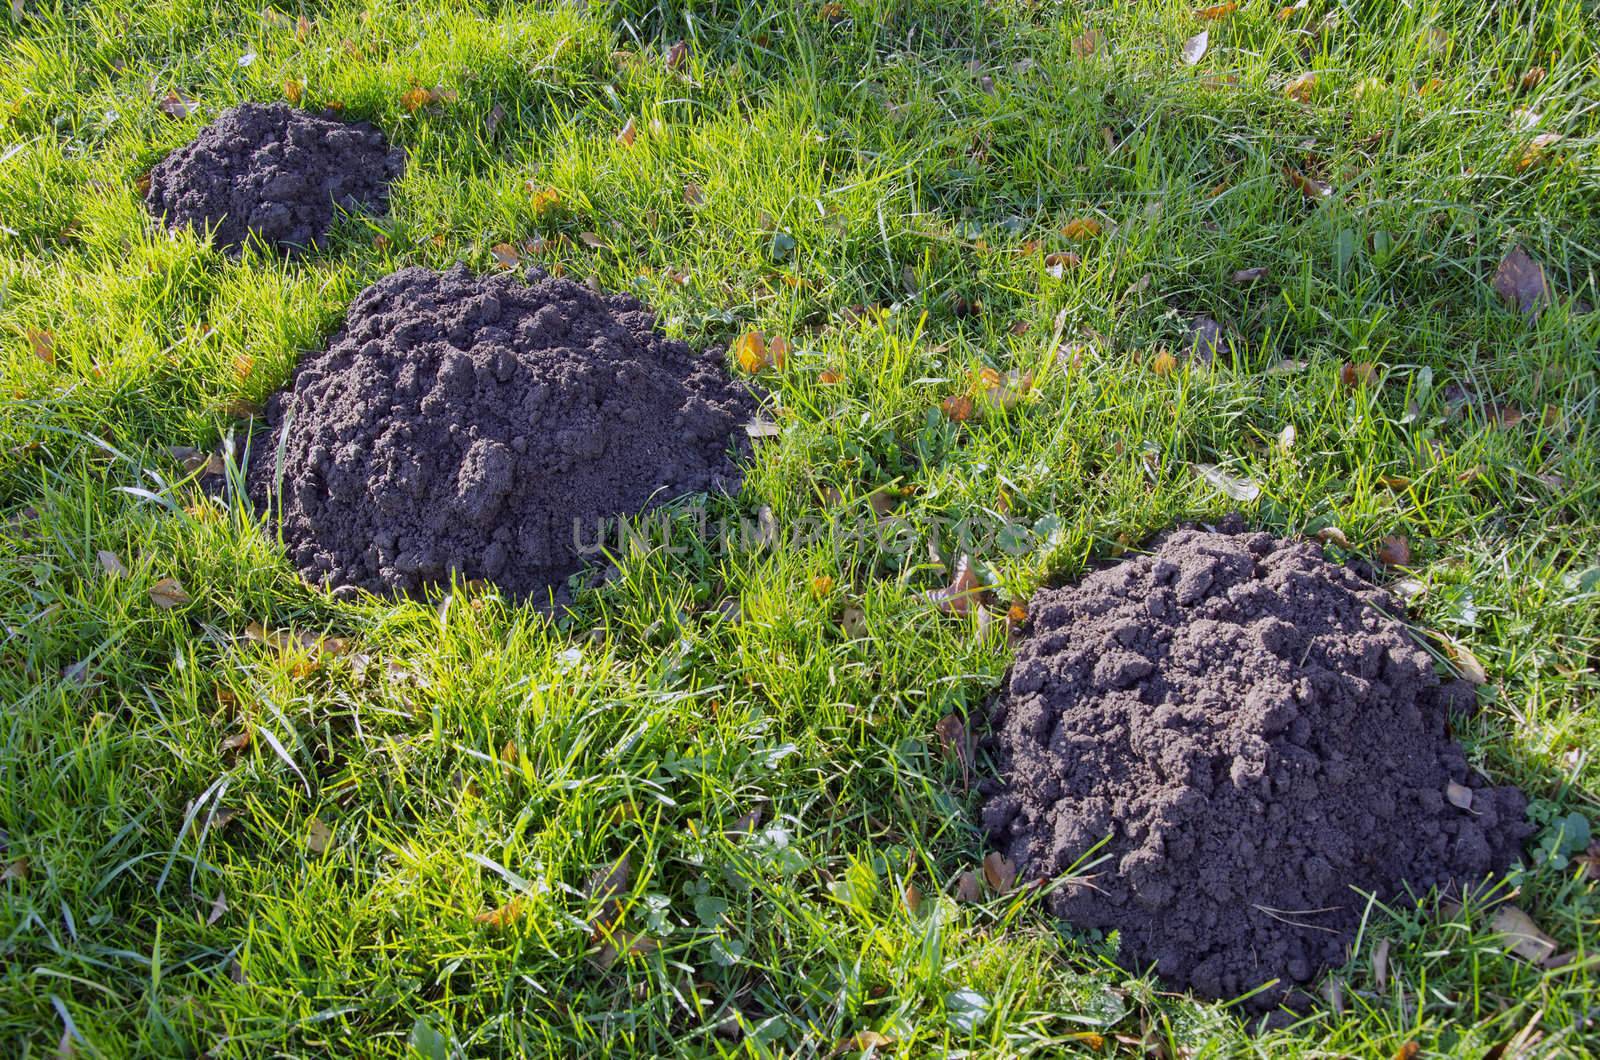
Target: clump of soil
274 172
485 427
1263 744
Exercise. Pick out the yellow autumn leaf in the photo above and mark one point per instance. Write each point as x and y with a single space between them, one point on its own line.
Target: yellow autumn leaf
1081 228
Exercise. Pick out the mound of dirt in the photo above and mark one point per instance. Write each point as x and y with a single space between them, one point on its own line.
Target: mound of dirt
1263 745
274 172
486 426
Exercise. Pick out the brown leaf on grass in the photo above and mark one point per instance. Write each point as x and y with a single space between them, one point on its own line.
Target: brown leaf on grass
318 836
111 564
503 916
237 742
956 742
1523 935
968 890
1081 229
1310 187
1532 79
1520 282
1458 795
43 343
821 585
492 120
745 825
1216 11
506 255
752 352
1358 375
1466 663
860 1042
1004 391
1246 277
676 56
623 942
1301 88
606 887
168 593
1194 49
1394 551
1411 1050
854 623
415 98
1236 487
999 872
1286 13
957 407
1536 149
302 28
543 199
912 897
1590 861
219 908
1087 43
592 240
177 105
1334 535
961 595
628 133
1163 363
16 870
693 194
1380 963
1057 264
293 91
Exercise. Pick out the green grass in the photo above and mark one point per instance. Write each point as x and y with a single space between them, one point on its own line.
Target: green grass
465 758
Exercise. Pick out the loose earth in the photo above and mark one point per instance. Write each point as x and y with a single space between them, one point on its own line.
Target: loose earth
486 428
276 173
1263 744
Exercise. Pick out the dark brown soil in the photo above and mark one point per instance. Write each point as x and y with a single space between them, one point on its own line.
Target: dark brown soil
276 173
482 427
1262 743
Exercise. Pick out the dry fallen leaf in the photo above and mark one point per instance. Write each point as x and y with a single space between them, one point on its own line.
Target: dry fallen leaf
854 622
1163 363
1334 535
293 91
1301 88
968 889
592 240
1532 79
956 742
1458 795
1080 229
237 742
960 596
957 407
821 585
219 908
1216 11
1058 263
415 98
1194 49
1310 187
504 916
177 105
111 564
912 896
1394 551
1237 487
628 133
861 1041
1536 149
1380 963
16 870
1355 376
1246 277
1411 1050
677 55
999 872
318 836
168 593
506 255
1466 663
43 343
1520 281
1523 935
1087 43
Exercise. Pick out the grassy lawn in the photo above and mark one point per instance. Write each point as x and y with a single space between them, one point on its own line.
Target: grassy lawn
709 811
